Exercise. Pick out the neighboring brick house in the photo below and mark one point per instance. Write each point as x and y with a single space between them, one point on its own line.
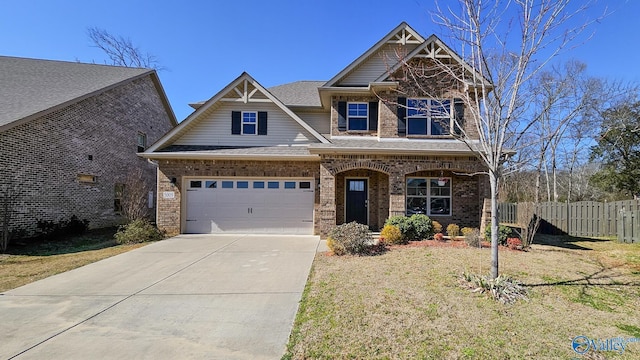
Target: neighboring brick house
69 135
305 156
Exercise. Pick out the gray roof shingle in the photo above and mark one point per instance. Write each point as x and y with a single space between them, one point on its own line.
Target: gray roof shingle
299 93
32 86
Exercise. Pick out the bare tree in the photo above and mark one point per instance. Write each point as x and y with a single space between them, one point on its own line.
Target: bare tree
505 44
121 50
8 201
134 196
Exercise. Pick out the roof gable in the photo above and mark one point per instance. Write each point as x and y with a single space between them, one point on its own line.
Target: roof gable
374 58
434 48
243 90
30 88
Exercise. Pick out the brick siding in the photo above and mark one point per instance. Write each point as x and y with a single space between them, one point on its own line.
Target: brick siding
42 158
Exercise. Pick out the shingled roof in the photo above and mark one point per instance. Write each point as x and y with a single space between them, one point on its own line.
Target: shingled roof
299 93
32 87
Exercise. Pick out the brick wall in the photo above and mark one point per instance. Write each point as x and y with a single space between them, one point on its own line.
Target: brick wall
169 209
96 136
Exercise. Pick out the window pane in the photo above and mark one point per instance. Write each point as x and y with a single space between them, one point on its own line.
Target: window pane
305 185
249 129
358 124
417 107
195 184
289 184
440 126
273 185
440 206
417 182
440 108
227 184
417 126
258 184
242 185
356 185
249 117
416 205
211 184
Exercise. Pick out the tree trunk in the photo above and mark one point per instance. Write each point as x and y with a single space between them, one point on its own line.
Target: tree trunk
493 180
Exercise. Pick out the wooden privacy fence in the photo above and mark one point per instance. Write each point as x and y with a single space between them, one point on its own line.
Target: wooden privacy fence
584 218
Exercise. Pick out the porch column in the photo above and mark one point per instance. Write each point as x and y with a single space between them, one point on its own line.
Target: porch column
327 201
396 194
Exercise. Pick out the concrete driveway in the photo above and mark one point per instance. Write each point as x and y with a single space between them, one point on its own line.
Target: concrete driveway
188 297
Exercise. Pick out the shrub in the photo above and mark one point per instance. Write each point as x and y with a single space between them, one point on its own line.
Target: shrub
514 243
402 223
471 236
437 227
137 231
503 288
351 238
453 230
422 227
392 235
504 232
438 237
49 229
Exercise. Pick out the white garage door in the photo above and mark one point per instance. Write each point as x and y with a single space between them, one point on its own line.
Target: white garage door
272 206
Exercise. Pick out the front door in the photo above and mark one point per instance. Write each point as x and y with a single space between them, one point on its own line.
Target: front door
357 201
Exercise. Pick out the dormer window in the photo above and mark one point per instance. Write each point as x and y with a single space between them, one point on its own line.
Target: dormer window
429 117
357 116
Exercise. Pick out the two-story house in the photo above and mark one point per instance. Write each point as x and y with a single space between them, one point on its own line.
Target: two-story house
303 157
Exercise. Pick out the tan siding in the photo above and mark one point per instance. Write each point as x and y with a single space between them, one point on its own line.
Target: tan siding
374 66
215 129
320 121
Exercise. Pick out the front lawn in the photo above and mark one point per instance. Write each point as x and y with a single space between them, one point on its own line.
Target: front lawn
408 303
29 261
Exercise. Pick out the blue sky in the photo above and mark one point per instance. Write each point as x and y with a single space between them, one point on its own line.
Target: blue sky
205 44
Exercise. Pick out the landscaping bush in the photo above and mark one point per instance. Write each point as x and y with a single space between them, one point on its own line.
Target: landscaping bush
504 232
351 238
438 237
453 230
437 227
402 223
138 231
49 229
415 227
471 236
422 227
514 243
391 234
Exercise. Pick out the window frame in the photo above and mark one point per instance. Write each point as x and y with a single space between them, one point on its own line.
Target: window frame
358 117
118 196
428 194
141 140
426 114
243 122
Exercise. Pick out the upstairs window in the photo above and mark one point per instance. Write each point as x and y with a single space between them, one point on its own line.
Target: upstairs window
249 123
357 116
429 117
142 141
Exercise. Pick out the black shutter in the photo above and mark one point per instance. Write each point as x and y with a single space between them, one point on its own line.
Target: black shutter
236 123
373 115
458 109
342 116
402 114
262 123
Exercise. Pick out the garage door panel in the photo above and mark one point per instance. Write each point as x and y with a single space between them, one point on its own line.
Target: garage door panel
272 209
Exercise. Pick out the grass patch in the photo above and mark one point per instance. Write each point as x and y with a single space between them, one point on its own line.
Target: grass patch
407 303
32 260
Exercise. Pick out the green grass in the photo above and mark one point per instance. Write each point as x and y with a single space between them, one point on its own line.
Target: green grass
408 303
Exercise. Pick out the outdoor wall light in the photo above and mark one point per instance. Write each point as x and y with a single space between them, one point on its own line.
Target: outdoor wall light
173 181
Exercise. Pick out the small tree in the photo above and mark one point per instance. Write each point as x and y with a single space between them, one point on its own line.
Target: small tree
134 200
8 201
503 46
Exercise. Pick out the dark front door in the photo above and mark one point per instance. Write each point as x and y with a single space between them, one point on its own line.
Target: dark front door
357 201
